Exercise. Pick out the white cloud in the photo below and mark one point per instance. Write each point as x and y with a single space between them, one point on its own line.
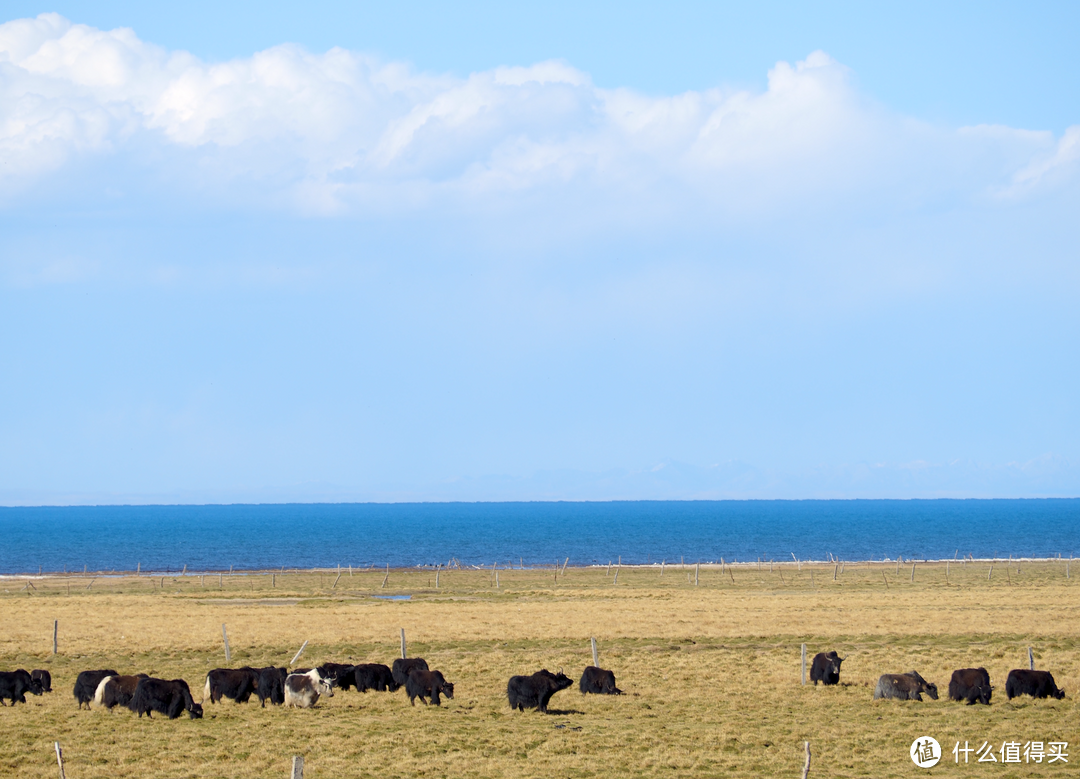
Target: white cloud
1060 163
341 131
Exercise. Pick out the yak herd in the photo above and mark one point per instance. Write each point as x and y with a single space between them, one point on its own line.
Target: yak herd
302 687
970 685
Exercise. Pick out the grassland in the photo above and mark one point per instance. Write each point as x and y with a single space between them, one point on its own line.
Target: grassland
711 672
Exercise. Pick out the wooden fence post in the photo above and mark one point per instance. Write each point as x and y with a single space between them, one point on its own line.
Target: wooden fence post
913 572
1031 660
403 643
697 568
55 629
299 652
806 768
336 580
595 657
804 663
59 758
437 576
387 577
662 567
297 767
225 637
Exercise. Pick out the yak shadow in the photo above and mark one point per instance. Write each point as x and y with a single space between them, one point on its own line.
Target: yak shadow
563 712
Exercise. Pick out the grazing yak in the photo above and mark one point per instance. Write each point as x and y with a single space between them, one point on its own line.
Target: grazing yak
165 697
826 668
86 684
373 676
971 685
1037 684
403 667
303 690
427 684
271 685
535 691
235 683
598 681
117 690
15 684
904 687
42 677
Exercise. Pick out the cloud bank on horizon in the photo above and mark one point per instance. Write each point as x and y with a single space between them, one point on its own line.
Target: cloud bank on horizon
342 133
298 268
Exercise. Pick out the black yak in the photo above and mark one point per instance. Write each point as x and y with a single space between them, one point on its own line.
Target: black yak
535 691
339 674
971 685
271 687
427 684
403 666
1037 684
15 684
598 681
42 677
374 676
86 684
168 697
826 668
236 683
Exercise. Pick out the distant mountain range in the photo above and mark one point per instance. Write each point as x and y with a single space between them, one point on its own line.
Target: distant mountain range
1046 476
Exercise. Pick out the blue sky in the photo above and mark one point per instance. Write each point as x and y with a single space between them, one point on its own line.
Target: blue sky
369 252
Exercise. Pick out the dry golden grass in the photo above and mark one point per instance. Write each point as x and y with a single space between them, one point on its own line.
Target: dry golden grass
711 672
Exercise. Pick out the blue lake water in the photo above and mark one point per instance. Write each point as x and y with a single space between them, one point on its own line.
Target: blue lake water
164 538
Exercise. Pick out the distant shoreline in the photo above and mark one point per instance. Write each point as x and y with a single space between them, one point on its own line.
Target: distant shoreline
705 566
